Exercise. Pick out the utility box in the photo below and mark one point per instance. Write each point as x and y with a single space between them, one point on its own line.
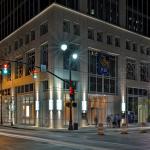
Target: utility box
75 126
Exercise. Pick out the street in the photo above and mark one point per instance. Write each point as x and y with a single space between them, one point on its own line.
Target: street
23 139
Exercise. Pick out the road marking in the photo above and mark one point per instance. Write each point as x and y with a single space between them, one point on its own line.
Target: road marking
68 144
54 142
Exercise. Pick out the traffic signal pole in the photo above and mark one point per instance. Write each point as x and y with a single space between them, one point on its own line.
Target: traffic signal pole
1 100
70 85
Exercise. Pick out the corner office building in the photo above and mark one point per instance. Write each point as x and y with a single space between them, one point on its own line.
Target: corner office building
111 75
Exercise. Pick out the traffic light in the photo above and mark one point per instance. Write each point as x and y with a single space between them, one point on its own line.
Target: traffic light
71 91
35 74
5 69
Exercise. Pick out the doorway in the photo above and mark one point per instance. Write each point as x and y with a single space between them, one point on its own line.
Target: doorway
97 106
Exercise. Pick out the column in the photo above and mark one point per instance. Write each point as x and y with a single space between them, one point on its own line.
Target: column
37 102
83 110
122 85
13 97
51 103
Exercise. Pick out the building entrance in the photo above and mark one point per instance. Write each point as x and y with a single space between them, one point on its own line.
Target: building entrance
97 106
25 110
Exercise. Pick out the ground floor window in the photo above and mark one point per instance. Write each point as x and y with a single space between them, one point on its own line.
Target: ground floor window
138 105
25 110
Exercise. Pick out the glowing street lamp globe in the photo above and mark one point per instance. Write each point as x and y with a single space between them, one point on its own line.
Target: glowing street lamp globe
75 56
64 47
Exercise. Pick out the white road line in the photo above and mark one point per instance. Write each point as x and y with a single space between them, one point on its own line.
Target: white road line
54 142
68 144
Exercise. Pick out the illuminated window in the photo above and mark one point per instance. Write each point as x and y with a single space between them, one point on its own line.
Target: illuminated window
27 111
102 72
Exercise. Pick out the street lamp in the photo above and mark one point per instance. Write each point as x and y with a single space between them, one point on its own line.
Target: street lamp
64 47
1 98
73 56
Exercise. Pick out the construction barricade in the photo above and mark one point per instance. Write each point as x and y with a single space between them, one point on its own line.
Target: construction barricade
142 129
124 129
100 129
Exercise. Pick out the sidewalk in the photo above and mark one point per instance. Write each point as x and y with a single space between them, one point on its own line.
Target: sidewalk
87 129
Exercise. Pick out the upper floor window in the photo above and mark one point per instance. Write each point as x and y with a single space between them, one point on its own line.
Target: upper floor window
134 47
9 72
148 51
16 45
91 33
117 42
44 54
19 68
131 69
43 28
9 48
144 72
76 29
26 38
128 45
100 36
20 42
66 26
32 35
142 50
30 61
109 39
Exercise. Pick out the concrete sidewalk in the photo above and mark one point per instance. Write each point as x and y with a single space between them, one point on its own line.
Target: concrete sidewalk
87 129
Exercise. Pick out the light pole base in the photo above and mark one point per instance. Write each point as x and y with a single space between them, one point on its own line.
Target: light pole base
70 126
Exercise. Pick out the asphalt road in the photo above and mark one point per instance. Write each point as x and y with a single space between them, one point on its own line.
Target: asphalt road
19 139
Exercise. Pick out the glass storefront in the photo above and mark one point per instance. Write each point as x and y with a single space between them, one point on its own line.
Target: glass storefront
138 105
98 109
7 109
25 110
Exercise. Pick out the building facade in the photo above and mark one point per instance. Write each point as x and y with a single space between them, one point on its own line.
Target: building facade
111 75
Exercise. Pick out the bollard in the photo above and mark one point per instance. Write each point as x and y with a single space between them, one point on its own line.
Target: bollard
142 130
100 129
124 129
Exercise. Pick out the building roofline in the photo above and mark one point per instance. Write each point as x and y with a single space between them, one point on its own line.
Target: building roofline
76 12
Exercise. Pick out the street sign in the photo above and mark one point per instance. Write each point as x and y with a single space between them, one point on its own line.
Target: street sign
43 68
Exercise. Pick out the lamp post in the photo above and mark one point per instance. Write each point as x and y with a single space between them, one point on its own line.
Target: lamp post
1 99
74 56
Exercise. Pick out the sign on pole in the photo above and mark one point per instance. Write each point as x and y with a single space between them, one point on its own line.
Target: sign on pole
43 68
